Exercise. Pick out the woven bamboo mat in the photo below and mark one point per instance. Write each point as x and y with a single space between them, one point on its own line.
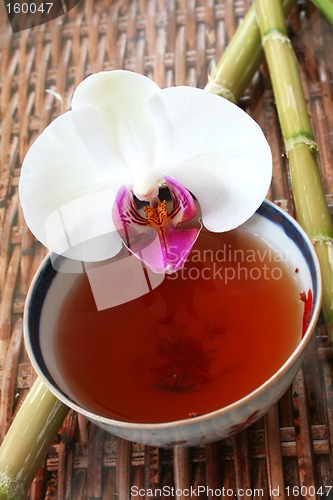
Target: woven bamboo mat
289 452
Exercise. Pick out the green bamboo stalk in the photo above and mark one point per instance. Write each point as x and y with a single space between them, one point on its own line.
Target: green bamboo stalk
326 7
310 202
241 58
28 440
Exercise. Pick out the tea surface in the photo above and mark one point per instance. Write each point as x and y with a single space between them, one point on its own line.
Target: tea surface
204 338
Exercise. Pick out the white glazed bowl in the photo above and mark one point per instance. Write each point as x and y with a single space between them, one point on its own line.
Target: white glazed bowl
43 303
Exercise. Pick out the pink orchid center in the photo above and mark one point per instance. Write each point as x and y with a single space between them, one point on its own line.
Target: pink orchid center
158 239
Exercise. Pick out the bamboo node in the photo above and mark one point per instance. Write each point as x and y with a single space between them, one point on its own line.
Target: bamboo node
275 34
216 88
322 238
301 139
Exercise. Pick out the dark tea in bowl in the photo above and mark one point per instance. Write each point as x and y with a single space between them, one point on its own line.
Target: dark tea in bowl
186 358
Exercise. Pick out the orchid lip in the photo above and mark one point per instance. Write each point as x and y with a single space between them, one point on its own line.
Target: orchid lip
158 238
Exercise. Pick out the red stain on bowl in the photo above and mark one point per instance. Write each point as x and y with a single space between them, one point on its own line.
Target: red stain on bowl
240 427
308 306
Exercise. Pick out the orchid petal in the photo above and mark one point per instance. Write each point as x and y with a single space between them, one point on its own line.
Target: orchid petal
121 97
214 149
67 187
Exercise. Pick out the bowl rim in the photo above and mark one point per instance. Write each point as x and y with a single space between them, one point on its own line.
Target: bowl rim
190 421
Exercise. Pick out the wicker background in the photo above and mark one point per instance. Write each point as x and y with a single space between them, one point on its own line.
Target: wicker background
173 42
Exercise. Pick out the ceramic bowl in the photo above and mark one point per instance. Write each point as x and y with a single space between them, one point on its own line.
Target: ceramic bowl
48 290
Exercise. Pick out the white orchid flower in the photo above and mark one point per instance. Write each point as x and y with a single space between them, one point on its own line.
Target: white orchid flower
124 138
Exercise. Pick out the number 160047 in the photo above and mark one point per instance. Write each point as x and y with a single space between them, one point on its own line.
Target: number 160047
303 491
29 8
